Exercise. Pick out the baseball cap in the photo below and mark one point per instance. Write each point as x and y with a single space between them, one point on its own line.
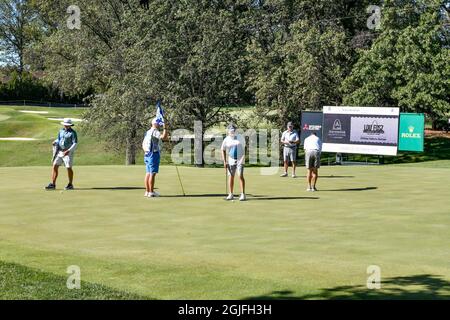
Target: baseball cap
231 127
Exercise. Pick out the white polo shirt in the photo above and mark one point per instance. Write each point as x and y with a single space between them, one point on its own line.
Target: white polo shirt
312 143
235 146
290 136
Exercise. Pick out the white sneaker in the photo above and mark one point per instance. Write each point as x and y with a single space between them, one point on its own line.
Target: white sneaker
309 189
153 194
146 194
284 175
294 176
230 197
242 197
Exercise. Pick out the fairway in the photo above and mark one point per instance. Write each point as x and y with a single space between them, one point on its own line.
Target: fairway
283 242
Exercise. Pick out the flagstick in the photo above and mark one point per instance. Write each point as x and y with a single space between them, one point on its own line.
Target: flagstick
179 179
176 168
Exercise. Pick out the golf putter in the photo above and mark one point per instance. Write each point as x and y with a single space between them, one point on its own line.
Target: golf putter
55 152
226 182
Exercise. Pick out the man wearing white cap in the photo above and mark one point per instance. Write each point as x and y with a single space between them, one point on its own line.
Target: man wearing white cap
235 145
152 155
290 141
64 145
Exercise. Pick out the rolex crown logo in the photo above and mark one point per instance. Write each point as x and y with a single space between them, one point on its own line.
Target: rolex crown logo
411 129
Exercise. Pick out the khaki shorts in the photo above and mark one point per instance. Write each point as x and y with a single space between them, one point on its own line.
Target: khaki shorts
290 154
67 160
312 159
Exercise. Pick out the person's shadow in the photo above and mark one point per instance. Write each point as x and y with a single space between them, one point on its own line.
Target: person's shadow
421 287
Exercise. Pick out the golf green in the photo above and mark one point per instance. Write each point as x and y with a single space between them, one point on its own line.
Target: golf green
283 242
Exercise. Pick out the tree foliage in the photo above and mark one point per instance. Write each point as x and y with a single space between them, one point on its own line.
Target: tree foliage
199 56
187 54
19 29
300 53
407 66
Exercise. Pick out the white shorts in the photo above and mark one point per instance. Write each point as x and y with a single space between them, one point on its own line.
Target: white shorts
290 154
67 160
236 167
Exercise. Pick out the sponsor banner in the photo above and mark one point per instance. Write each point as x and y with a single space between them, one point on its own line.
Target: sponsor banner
359 149
411 132
362 110
373 130
360 130
311 122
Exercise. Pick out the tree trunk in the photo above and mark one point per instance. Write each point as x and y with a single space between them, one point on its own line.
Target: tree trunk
434 124
130 156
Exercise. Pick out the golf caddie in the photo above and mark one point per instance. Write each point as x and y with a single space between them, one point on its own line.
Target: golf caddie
63 152
234 145
290 141
313 149
152 146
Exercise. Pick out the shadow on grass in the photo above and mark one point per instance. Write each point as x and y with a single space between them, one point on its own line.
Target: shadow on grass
350 189
328 177
250 197
421 287
282 198
112 188
205 195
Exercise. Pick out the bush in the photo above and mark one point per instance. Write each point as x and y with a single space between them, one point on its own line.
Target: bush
27 87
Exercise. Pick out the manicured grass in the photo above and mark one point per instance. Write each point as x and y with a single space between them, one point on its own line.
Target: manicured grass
19 282
14 123
282 243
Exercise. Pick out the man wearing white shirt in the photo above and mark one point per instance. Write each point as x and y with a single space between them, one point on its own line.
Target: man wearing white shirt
234 144
313 148
290 140
152 146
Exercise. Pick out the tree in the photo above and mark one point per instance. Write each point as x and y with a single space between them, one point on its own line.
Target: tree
194 59
407 66
94 58
18 30
300 53
187 54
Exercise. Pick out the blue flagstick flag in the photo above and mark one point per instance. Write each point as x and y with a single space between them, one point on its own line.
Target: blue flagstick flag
159 113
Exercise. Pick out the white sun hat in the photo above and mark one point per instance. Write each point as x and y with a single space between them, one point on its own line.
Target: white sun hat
67 122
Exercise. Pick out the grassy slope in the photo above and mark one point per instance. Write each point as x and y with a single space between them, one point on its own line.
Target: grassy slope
282 243
91 152
32 153
19 282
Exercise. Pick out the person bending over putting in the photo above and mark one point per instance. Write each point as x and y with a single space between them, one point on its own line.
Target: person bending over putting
234 144
313 148
152 155
65 145
290 140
